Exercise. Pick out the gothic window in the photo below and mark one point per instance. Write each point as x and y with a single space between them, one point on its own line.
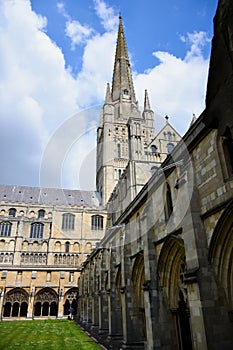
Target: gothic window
168 203
169 136
118 150
153 170
5 229
227 146
170 147
12 212
37 230
68 221
119 173
153 149
67 247
41 213
97 222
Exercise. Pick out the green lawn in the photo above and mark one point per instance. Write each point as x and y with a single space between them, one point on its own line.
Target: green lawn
44 335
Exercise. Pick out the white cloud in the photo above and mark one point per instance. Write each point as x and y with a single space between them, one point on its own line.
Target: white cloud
77 32
106 14
38 94
177 87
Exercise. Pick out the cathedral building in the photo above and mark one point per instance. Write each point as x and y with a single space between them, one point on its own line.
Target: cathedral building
150 265
46 234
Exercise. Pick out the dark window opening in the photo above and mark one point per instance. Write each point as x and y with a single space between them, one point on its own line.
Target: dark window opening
41 213
12 212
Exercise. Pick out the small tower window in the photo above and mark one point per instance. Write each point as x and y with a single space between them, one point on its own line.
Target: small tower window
41 213
12 212
67 247
169 136
170 147
154 149
119 173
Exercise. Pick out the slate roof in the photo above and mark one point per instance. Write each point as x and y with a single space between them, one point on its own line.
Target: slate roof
48 196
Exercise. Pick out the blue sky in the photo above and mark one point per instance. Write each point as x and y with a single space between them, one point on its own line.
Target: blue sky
56 58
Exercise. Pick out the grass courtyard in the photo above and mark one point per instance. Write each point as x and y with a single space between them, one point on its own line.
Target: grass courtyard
44 335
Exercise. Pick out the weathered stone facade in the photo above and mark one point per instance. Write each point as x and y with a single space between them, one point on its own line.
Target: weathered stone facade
162 277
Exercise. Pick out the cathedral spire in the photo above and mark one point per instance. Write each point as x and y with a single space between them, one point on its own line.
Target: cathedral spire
146 101
108 94
122 82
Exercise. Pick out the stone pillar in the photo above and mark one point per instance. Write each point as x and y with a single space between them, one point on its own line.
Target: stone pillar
30 312
114 303
132 331
2 294
103 299
60 305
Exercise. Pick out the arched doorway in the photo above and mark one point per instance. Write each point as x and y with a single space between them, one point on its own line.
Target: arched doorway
171 271
71 300
16 303
46 303
138 279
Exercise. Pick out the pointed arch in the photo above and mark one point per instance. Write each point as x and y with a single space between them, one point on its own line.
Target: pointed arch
16 303
71 300
221 253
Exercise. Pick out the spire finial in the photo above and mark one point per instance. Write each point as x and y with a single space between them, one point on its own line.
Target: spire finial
146 101
108 94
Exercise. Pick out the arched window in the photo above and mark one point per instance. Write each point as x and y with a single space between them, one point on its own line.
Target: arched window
154 149
68 222
37 230
41 213
97 222
227 145
119 173
119 150
12 212
170 147
67 247
169 136
5 228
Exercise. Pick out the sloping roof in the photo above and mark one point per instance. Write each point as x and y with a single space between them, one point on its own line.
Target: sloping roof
48 196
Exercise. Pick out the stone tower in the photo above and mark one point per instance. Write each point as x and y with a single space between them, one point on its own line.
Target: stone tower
124 132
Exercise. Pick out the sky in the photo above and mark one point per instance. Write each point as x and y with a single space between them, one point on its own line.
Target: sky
56 58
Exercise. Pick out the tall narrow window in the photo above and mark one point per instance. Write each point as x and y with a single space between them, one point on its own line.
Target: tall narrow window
5 228
41 213
97 222
12 212
169 136
67 247
68 221
119 173
118 150
37 230
227 145
168 204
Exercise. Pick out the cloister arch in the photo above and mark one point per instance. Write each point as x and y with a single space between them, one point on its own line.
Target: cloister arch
171 272
71 300
138 280
221 256
46 303
16 303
